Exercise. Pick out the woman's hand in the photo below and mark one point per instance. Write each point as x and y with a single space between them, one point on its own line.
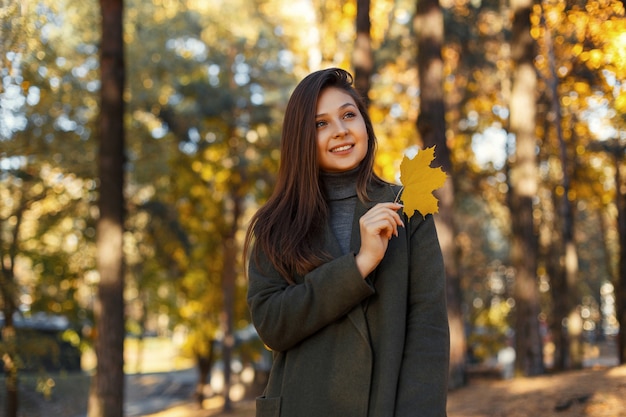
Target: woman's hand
377 227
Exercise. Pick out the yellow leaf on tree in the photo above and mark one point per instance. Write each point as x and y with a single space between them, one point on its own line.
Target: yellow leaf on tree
419 180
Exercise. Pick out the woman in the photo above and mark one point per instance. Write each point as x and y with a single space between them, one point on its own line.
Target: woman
347 291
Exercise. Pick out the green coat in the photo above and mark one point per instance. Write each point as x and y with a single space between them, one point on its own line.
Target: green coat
348 347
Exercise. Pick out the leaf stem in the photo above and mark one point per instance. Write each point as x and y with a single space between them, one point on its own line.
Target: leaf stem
398 195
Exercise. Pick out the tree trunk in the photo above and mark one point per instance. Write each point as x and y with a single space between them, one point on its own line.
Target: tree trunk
559 304
229 276
8 296
10 31
616 150
522 191
362 58
431 126
142 328
205 363
9 362
565 280
620 286
106 398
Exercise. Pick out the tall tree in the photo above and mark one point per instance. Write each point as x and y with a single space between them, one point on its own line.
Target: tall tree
21 189
362 57
13 20
578 61
106 398
432 128
522 190
218 110
568 351
616 149
230 252
27 193
620 291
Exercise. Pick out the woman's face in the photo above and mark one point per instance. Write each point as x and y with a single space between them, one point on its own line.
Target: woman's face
341 132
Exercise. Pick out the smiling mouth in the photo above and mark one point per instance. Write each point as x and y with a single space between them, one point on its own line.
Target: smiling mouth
341 148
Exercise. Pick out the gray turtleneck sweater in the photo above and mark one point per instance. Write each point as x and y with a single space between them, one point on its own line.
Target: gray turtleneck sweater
340 190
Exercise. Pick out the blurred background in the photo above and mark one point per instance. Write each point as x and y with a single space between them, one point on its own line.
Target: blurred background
525 100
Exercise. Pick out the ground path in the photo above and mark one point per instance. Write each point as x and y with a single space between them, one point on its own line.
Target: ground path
596 392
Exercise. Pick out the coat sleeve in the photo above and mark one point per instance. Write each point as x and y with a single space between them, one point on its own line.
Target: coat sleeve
284 314
423 382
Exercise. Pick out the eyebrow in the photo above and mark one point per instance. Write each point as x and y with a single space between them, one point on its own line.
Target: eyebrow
343 106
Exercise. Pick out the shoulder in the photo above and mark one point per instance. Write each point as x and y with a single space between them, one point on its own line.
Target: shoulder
421 226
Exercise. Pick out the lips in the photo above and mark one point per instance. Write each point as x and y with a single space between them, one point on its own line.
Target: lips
342 148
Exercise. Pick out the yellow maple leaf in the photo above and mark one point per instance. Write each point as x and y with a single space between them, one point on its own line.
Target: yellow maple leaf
419 181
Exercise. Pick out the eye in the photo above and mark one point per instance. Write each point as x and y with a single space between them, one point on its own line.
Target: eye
349 115
320 123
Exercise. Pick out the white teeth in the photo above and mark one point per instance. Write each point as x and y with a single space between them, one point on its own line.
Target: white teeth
341 148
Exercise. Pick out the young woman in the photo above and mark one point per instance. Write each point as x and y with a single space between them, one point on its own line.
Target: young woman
347 291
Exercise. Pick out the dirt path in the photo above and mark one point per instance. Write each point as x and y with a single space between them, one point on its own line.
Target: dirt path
592 393
597 392
587 393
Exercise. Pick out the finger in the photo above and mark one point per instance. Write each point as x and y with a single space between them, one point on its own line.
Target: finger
383 224
380 225
390 215
391 208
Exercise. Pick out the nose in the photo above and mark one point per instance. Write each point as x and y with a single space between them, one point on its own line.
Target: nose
340 130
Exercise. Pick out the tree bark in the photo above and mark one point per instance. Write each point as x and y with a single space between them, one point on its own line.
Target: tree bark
229 276
522 190
620 287
9 362
362 58
432 128
12 38
616 150
568 344
8 299
8 296
106 398
204 363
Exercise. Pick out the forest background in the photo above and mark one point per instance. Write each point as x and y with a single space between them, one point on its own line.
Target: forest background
525 101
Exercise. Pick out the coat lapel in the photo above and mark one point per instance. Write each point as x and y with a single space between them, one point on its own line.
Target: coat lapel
377 194
356 315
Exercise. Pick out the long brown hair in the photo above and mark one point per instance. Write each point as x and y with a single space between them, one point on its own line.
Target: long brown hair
284 228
